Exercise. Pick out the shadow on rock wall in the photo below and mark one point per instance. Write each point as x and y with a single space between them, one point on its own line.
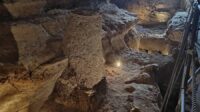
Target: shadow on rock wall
8 46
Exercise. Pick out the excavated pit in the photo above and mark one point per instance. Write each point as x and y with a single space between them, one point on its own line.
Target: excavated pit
87 56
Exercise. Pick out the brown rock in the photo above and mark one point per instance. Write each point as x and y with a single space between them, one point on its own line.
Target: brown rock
82 45
31 48
176 26
143 78
27 95
25 8
116 23
38 41
147 41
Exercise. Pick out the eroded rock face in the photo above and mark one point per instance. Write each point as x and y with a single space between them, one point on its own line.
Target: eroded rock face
28 82
81 44
116 23
34 40
39 49
176 26
24 93
52 60
150 12
29 48
130 89
163 41
81 31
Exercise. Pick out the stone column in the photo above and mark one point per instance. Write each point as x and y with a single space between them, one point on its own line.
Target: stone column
82 45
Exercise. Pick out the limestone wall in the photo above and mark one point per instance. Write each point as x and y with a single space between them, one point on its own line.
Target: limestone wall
42 48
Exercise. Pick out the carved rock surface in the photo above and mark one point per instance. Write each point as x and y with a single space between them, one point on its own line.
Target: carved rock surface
147 41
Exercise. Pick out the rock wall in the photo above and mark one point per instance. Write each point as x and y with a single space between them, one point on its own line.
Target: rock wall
47 55
151 43
158 38
116 24
53 56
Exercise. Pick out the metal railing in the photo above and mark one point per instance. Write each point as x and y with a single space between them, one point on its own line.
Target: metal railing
185 65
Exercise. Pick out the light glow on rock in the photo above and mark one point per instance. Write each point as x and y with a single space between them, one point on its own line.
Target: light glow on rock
118 64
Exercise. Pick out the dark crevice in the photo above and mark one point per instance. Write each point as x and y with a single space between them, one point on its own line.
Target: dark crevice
163 76
8 45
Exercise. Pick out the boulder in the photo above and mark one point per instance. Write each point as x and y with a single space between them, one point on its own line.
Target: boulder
38 41
150 12
82 45
31 41
30 62
176 26
25 92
